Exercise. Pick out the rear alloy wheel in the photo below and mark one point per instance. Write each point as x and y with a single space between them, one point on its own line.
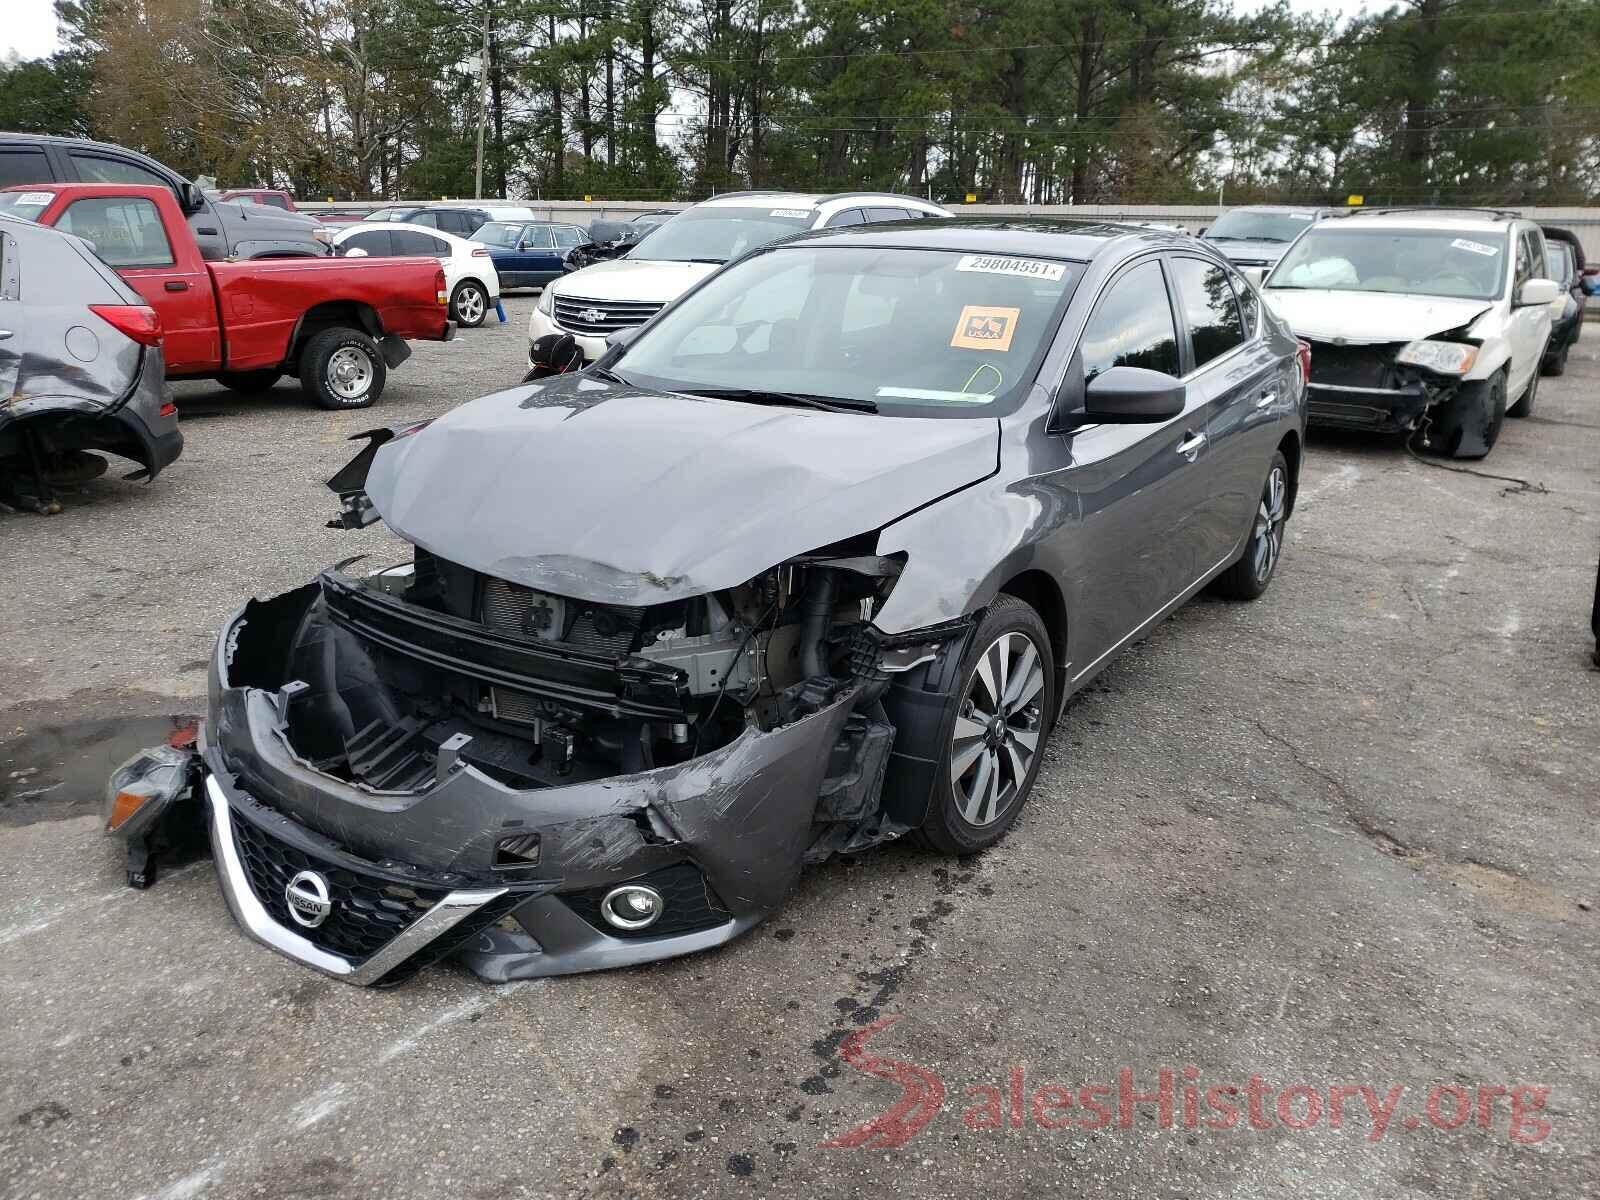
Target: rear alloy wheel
342 368
1525 402
1250 575
469 304
997 731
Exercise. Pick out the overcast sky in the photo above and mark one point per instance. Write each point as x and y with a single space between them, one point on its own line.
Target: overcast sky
30 26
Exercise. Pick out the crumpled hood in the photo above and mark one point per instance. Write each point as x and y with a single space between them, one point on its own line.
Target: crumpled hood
622 496
645 280
1370 316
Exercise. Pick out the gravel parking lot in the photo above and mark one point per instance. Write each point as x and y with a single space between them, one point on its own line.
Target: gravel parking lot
1343 836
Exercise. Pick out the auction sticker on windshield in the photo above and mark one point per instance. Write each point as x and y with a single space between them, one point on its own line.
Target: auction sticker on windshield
982 327
1475 247
790 212
994 264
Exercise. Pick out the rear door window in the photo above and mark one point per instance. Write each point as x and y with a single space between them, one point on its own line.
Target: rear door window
407 241
1132 326
21 164
97 168
431 220
887 214
1209 309
569 235
374 241
1249 302
275 201
126 231
847 216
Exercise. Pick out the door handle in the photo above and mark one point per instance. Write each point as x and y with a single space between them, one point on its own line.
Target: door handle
176 285
1268 399
1190 446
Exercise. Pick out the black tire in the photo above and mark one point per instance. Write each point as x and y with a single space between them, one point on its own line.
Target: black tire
1249 576
1470 424
324 374
1556 364
469 304
1524 405
965 816
250 383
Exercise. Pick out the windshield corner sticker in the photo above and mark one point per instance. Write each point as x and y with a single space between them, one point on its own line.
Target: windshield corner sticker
983 327
1475 247
36 197
790 212
996 264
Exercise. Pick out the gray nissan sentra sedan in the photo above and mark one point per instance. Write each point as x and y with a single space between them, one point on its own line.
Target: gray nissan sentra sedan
809 563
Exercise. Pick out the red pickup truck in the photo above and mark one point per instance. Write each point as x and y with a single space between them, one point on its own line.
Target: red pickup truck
337 323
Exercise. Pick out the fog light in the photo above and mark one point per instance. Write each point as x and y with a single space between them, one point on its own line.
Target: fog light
632 906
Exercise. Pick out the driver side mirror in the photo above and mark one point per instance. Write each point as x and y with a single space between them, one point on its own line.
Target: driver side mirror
190 198
1537 291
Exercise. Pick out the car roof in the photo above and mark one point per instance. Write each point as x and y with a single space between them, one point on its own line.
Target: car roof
1316 208
836 200
1432 218
356 227
1037 237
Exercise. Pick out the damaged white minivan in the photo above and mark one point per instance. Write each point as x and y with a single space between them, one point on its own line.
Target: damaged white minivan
1427 320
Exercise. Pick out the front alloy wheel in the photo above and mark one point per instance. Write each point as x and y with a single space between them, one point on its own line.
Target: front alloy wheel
997 729
990 737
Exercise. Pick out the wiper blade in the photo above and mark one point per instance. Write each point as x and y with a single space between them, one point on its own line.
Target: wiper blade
608 375
798 399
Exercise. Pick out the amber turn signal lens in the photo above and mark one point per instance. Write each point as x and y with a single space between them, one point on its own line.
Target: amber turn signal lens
124 806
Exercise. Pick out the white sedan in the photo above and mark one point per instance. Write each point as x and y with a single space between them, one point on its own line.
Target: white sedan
468 270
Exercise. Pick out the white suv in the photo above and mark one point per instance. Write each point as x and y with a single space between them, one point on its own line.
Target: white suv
625 292
1420 319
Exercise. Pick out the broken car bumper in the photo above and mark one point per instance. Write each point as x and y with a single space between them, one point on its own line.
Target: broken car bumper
1369 408
402 880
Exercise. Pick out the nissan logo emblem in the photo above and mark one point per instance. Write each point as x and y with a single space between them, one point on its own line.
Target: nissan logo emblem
307 895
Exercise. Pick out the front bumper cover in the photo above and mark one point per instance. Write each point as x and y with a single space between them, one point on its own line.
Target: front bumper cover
737 822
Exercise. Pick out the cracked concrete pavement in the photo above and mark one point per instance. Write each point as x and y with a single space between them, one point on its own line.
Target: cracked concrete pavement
1342 836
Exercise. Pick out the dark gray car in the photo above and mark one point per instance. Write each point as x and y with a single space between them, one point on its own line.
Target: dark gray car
812 562
80 366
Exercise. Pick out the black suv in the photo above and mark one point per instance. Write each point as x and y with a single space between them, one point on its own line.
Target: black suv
222 228
463 222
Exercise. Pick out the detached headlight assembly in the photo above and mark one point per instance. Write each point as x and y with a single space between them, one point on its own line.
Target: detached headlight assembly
547 300
1445 358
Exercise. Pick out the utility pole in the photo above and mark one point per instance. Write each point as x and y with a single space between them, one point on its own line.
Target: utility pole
483 99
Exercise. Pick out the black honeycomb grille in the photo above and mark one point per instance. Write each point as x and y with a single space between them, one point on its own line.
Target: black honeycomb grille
368 911
692 904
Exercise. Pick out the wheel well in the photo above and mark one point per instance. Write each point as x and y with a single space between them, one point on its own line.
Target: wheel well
1290 449
334 314
1039 592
